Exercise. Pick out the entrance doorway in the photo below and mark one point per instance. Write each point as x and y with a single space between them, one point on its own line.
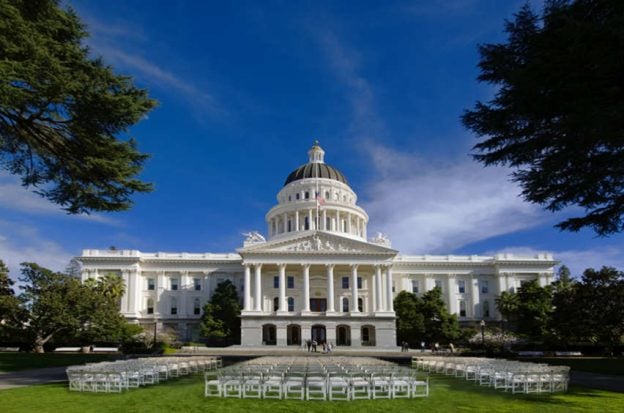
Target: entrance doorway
343 336
293 335
318 334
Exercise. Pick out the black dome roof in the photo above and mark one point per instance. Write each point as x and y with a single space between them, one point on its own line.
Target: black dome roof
316 170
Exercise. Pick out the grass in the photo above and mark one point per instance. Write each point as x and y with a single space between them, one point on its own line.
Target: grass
25 361
602 365
186 395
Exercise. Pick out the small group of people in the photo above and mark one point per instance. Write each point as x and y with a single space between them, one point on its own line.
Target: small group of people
312 346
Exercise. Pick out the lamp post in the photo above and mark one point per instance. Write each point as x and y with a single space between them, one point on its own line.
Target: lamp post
482 324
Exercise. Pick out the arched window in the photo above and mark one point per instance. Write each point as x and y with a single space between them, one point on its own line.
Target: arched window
196 306
150 306
345 305
291 304
276 304
174 306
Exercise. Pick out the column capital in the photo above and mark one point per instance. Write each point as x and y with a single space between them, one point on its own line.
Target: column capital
330 265
280 265
305 265
354 266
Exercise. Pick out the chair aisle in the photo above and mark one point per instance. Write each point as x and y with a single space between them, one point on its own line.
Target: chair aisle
117 376
327 378
509 375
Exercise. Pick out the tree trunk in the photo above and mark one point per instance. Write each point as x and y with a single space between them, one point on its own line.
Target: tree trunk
39 345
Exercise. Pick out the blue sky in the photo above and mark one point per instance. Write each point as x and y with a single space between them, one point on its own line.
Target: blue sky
244 89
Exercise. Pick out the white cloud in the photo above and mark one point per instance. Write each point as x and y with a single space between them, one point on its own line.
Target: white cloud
428 206
344 62
14 196
23 243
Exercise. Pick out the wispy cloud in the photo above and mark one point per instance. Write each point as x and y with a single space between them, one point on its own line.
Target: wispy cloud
344 62
13 196
122 44
428 206
22 243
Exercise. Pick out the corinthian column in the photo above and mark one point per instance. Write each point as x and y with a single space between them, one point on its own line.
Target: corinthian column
247 291
389 299
330 288
282 287
354 289
306 288
258 288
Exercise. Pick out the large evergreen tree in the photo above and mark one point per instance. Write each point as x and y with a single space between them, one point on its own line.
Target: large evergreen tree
221 323
62 112
556 117
410 323
10 312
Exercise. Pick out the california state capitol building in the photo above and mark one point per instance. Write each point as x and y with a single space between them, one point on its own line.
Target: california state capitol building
316 276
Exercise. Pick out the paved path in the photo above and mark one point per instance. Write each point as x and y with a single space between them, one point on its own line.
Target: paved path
597 381
22 378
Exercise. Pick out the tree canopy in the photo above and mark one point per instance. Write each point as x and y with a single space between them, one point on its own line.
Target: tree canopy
424 319
556 117
62 112
221 323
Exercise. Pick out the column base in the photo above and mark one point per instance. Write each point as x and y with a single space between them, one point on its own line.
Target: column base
332 313
282 313
252 312
306 313
356 314
385 313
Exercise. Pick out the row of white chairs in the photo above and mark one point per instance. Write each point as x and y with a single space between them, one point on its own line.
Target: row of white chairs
331 378
509 375
117 376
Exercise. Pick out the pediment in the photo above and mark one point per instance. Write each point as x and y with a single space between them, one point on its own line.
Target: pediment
317 243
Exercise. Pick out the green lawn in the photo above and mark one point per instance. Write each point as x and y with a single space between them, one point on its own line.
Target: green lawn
25 361
602 365
186 395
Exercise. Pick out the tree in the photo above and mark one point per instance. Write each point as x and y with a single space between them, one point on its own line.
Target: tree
410 319
507 304
440 324
534 310
51 301
221 319
9 304
556 117
61 111
600 295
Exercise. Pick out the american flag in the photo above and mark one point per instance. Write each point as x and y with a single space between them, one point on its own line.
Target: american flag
320 200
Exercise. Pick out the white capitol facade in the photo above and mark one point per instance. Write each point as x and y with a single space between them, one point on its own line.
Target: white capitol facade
315 277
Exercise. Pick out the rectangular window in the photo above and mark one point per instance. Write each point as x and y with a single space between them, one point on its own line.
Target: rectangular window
486 309
197 284
345 282
307 195
289 226
151 285
462 308
415 286
326 194
438 284
291 281
485 287
345 305
276 282
297 196
291 304
174 284
150 306
461 286
393 287
359 282
174 307
306 223
328 223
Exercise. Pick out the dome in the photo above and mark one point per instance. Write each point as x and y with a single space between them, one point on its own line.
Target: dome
316 170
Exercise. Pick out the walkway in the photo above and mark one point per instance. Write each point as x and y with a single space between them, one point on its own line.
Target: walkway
597 381
23 378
